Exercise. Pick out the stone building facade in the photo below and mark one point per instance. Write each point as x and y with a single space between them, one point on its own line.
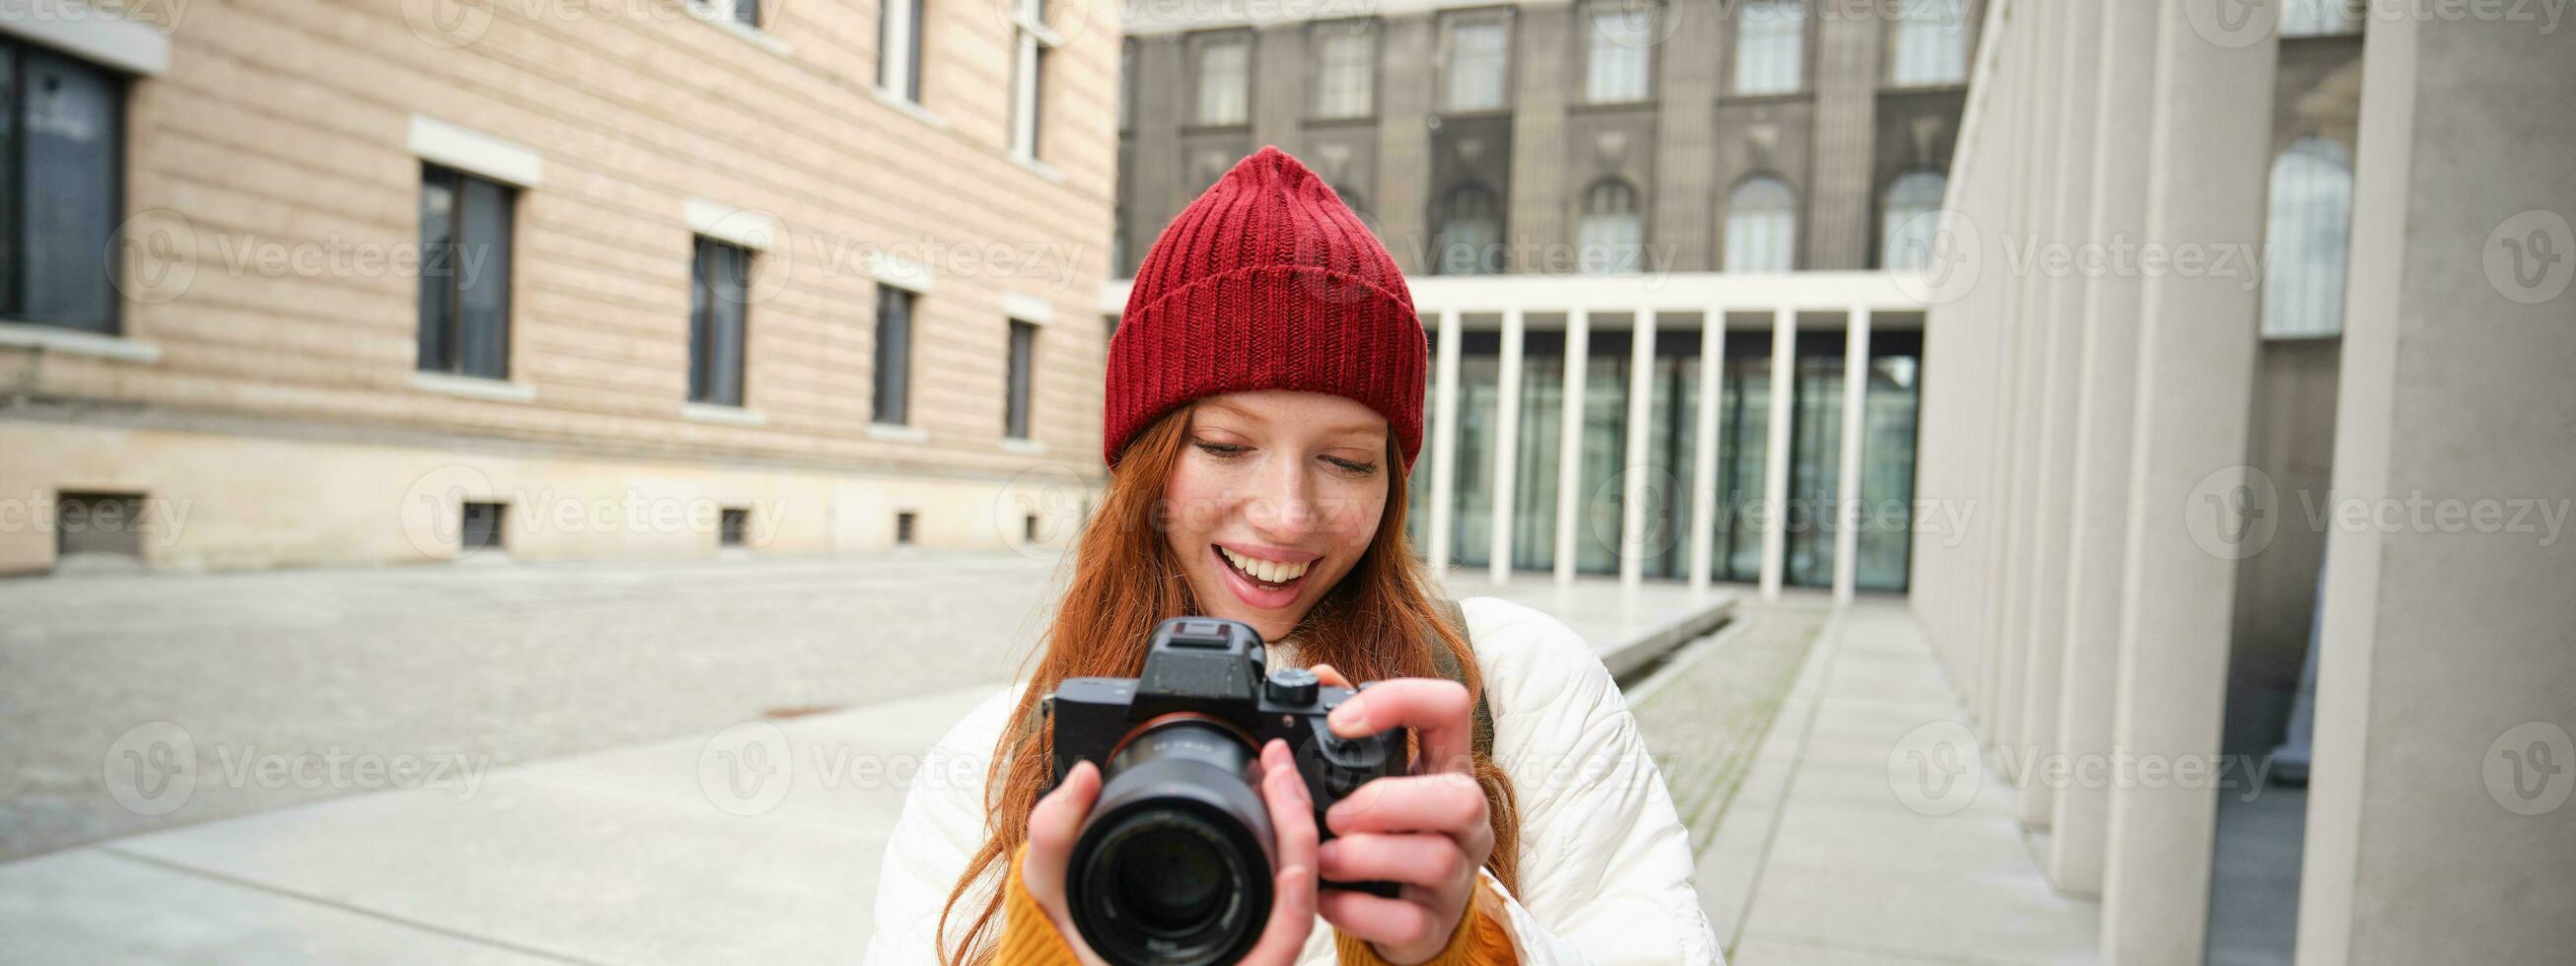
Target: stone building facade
388 282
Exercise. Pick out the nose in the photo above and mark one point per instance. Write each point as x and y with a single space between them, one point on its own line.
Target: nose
1283 511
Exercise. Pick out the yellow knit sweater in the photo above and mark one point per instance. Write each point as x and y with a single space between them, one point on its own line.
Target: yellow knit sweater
1030 939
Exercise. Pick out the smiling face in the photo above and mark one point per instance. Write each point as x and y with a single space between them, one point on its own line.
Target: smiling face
1275 496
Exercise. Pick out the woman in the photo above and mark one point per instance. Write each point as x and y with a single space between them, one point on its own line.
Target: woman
1264 405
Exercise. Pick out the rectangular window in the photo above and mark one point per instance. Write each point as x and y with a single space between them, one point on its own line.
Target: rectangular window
1770 47
61 169
894 356
1032 43
1345 70
1224 80
747 13
903 528
720 284
1931 44
481 529
1476 60
465 247
106 524
1620 51
899 49
1015 417
1126 85
732 524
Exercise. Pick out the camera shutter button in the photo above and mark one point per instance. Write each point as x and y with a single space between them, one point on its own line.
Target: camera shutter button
1292 686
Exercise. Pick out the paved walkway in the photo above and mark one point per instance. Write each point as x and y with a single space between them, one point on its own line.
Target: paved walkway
753 838
1859 836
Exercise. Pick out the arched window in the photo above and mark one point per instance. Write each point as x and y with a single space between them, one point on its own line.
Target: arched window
1770 46
1471 232
1612 232
2317 18
1761 226
1931 43
1905 225
2310 233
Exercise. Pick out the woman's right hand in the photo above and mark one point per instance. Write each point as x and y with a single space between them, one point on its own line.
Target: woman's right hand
1057 819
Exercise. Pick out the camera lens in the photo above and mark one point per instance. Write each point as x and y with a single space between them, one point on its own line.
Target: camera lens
1174 865
1172 876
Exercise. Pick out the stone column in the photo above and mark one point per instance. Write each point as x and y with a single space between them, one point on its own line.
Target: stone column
1775 453
1639 468
1408 50
2208 162
1507 442
2440 827
1847 472
1712 373
1444 442
2060 297
2098 516
1569 447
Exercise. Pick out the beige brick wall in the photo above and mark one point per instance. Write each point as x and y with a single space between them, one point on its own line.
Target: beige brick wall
281 130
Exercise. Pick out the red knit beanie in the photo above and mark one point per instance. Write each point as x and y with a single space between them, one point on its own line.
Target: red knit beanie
1267 281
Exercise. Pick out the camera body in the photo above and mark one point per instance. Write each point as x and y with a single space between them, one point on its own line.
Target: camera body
1173 865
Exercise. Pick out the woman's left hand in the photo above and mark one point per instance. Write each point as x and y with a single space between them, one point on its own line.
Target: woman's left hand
1428 831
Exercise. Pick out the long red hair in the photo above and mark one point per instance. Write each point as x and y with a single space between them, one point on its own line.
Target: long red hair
1125 580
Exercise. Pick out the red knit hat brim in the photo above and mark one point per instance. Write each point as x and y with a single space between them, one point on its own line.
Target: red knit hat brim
1266 282
1282 327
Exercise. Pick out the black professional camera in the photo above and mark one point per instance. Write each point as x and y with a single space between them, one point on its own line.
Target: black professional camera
1175 862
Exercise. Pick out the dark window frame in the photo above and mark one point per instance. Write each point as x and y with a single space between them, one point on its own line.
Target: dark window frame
706 329
890 400
1019 386
442 340
14 181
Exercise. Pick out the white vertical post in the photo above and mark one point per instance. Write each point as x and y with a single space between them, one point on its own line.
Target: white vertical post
1569 445
1635 475
1507 443
1712 365
1847 475
1444 440
1775 457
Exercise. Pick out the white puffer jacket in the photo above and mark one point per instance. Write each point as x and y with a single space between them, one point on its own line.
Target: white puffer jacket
1605 866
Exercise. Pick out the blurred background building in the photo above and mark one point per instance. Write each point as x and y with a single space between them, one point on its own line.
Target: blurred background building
1547 172
400 281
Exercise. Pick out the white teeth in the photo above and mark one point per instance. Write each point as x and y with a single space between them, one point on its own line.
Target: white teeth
1266 571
